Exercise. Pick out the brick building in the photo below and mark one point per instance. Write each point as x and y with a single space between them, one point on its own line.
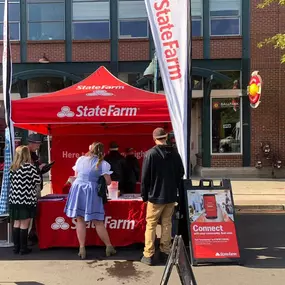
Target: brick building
56 43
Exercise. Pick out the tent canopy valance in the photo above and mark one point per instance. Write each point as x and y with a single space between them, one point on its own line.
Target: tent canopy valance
99 102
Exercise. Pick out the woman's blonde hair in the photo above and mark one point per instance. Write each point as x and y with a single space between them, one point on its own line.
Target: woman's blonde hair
96 149
22 156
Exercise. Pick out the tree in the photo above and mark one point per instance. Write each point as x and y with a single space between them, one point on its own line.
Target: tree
278 40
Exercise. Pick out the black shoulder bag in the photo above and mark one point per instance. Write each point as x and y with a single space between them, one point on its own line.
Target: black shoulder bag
102 189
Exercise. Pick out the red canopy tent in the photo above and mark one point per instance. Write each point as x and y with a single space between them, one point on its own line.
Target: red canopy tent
101 107
99 99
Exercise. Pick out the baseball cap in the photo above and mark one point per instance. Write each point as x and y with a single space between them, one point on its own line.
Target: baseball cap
34 138
159 133
113 145
129 149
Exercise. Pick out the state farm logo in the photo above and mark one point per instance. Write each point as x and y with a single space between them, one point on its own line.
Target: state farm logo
222 254
60 224
99 87
103 93
110 223
65 112
86 111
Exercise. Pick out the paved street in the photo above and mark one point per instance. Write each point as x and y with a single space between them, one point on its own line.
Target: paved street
262 240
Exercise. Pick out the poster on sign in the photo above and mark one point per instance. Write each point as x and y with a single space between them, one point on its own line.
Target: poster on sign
67 149
211 217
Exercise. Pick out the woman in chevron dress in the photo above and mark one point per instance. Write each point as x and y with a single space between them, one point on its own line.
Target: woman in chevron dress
24 182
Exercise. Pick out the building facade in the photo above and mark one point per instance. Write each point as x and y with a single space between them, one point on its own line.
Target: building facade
56 43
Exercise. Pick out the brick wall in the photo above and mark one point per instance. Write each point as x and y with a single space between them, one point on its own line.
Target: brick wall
15 47
225 47
197 48
268 120
91 51
226 161
130 50
54 51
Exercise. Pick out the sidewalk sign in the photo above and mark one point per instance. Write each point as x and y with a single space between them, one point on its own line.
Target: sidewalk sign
178 257
211 222
5 231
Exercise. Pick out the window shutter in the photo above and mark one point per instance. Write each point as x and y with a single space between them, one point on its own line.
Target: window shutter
89 11
225 5
196 8
132 10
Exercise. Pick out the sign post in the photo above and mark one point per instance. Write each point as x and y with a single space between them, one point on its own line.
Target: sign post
178 257
211 222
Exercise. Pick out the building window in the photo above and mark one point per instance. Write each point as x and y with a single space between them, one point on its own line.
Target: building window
130 78
14 19
91 20
226 125
46 20
196 10
197 82
45 84
225 17
133 19
234 81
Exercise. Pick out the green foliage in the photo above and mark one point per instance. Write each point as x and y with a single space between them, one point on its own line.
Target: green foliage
267 3
278 41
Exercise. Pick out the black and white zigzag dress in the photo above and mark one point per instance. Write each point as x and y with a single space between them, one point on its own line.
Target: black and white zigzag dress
23 192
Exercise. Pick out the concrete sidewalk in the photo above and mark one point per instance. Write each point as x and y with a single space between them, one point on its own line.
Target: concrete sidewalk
248 194
263 194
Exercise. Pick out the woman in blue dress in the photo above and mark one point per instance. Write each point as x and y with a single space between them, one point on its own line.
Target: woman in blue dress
83 202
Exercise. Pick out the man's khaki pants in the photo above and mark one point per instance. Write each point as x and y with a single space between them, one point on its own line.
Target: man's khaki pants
153 213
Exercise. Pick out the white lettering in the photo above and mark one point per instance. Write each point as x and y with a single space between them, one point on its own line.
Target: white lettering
85 111
66 154
79 111
138 154
98 87
197 228
110 223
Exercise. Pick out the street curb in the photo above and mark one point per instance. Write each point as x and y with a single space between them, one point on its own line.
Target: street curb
260 207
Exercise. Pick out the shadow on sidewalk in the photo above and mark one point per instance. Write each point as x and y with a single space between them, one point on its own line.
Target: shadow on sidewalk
262 240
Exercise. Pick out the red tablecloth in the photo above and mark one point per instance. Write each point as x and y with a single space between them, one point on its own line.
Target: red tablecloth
124 219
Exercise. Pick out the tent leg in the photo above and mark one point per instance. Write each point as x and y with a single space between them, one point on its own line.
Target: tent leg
49 154
49 159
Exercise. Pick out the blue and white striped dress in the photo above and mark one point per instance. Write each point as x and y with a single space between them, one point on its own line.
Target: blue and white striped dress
83 200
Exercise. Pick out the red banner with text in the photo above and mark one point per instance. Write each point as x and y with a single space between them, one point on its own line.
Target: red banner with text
124 220
66 149
213 232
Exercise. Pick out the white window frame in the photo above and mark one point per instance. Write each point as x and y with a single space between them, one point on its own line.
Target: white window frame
14 22
89 21
39 22
236 93
133 20
239 17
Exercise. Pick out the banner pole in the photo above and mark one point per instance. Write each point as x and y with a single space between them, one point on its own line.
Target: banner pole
189 88
155 74
9 131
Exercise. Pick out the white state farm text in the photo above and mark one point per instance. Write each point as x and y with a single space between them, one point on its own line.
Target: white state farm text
112 110
98 87
110 223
